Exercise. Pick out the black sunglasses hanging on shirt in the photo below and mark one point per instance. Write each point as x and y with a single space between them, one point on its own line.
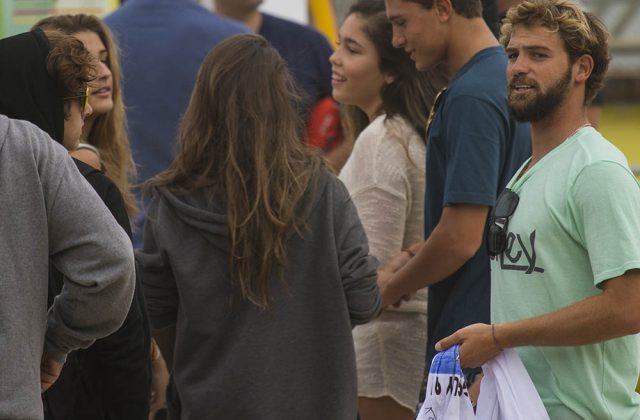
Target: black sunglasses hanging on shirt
499 221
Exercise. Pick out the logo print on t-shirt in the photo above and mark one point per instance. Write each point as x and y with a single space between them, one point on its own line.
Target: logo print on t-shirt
519 256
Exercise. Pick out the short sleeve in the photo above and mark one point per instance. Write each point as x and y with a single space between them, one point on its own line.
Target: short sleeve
323 52
474 134
605 204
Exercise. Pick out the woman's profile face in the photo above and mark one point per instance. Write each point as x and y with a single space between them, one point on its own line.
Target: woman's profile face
355 72
101 98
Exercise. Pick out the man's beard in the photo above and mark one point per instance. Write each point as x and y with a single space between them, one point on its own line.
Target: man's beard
541 105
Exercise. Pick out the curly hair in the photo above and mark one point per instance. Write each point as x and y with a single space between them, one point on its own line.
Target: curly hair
108 132
582 34
69 64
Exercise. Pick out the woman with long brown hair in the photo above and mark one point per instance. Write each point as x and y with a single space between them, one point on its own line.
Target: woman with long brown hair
256 253
387 102
105 129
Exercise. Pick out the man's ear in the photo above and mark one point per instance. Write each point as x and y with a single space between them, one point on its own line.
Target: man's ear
582 68
444 9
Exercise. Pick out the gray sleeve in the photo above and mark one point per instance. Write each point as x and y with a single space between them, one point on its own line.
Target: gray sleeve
158 282
357 267
95 255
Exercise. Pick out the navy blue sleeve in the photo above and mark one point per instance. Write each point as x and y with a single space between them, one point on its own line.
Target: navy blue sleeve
474 146
323 67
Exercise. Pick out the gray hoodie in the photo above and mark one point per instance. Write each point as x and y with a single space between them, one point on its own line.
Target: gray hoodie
48 211
294 361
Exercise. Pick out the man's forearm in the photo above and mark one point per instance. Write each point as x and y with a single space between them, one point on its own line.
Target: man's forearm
452 243
437 259
594 319
607 315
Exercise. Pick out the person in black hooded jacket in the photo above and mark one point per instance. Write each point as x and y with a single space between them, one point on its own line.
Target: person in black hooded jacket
43 79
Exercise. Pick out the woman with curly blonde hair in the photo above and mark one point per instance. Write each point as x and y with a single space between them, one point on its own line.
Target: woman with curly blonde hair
105 129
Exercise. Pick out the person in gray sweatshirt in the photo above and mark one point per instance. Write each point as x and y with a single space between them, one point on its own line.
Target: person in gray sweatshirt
49 211
50 214
256 253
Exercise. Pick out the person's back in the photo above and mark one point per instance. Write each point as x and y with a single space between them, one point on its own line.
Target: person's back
111 378
44 188
233 360
163 42
256 253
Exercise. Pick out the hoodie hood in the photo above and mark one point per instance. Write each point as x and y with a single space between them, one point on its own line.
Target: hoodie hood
27 92
206 214
199 211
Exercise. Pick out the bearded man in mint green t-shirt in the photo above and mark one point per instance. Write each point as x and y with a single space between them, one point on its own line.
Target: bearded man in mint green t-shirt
564 236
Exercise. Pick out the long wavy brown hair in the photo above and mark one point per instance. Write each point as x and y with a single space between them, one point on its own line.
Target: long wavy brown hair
240 138
109 132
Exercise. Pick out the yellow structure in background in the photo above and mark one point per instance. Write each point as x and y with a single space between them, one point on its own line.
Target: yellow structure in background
620 124
18 16
322 16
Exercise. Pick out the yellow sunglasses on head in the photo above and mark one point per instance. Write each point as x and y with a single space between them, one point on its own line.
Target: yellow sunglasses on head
84 98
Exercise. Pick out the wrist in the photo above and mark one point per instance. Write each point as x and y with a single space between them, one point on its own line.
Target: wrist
410 252
155 351
396 289
496 341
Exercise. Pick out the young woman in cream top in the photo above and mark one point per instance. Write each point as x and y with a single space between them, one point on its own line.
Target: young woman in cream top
387 103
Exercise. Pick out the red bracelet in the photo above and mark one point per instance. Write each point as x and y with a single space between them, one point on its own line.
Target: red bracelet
495 340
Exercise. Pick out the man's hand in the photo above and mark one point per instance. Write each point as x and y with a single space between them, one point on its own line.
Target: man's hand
388 296
396 262
385 279
477 345
49 372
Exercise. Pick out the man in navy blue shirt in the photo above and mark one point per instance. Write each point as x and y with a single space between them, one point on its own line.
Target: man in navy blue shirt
163 43
474 147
